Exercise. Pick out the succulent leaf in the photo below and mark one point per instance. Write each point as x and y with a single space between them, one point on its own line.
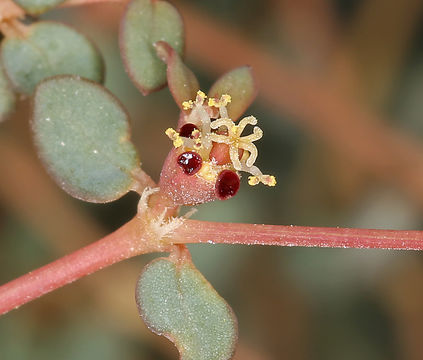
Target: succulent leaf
49 49
176 301
144 23
82 134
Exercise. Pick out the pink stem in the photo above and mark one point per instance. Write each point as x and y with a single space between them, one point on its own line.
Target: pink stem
130 240
124 243
194 231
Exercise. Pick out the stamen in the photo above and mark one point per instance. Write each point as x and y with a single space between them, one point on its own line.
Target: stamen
256 135
252 149
186 105
224 100
202 139
268 180
175 137
199 100
234 155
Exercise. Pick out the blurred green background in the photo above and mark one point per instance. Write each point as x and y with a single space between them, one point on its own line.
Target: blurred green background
357 63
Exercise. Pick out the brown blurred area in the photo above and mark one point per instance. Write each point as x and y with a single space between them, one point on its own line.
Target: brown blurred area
341 105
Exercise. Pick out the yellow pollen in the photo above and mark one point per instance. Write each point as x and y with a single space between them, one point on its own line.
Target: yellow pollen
212 102
268 180
186 105
200 97
174 136
225 99
253 180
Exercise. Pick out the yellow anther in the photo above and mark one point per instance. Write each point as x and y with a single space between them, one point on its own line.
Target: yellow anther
268 180
170 133
174 136
213 102
225 99
253 180
199 100
186 105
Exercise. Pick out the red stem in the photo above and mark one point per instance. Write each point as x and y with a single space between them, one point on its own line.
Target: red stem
194 231
131 240
124 243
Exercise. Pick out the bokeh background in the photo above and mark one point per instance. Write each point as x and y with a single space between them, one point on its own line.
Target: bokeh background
341 105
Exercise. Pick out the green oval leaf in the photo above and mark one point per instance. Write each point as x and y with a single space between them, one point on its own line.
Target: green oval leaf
7 96
36 7
144 23
49 49
182 82
82 133
239 83
176 301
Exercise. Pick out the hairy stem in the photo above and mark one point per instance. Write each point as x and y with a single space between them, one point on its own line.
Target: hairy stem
194 231
128 241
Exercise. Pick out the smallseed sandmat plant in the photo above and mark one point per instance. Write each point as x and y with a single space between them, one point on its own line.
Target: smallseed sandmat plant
82 134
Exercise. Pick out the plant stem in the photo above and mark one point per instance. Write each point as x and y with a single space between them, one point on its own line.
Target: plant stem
132 239
126 242
194 231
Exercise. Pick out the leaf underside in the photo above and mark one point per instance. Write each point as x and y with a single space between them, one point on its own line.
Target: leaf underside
176 301
49 49
82 135
144 23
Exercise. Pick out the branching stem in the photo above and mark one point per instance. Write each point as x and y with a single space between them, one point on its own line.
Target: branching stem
128 241
133 239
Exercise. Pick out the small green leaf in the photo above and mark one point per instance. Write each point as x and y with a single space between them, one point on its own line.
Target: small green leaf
36 7
82 133
239 84
182 82
144 23
49 49
176 301
7 96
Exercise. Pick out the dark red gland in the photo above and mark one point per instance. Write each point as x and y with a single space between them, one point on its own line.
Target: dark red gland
227 184
187 129
190 162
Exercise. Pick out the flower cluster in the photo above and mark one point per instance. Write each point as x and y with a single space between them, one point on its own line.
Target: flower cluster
209 132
